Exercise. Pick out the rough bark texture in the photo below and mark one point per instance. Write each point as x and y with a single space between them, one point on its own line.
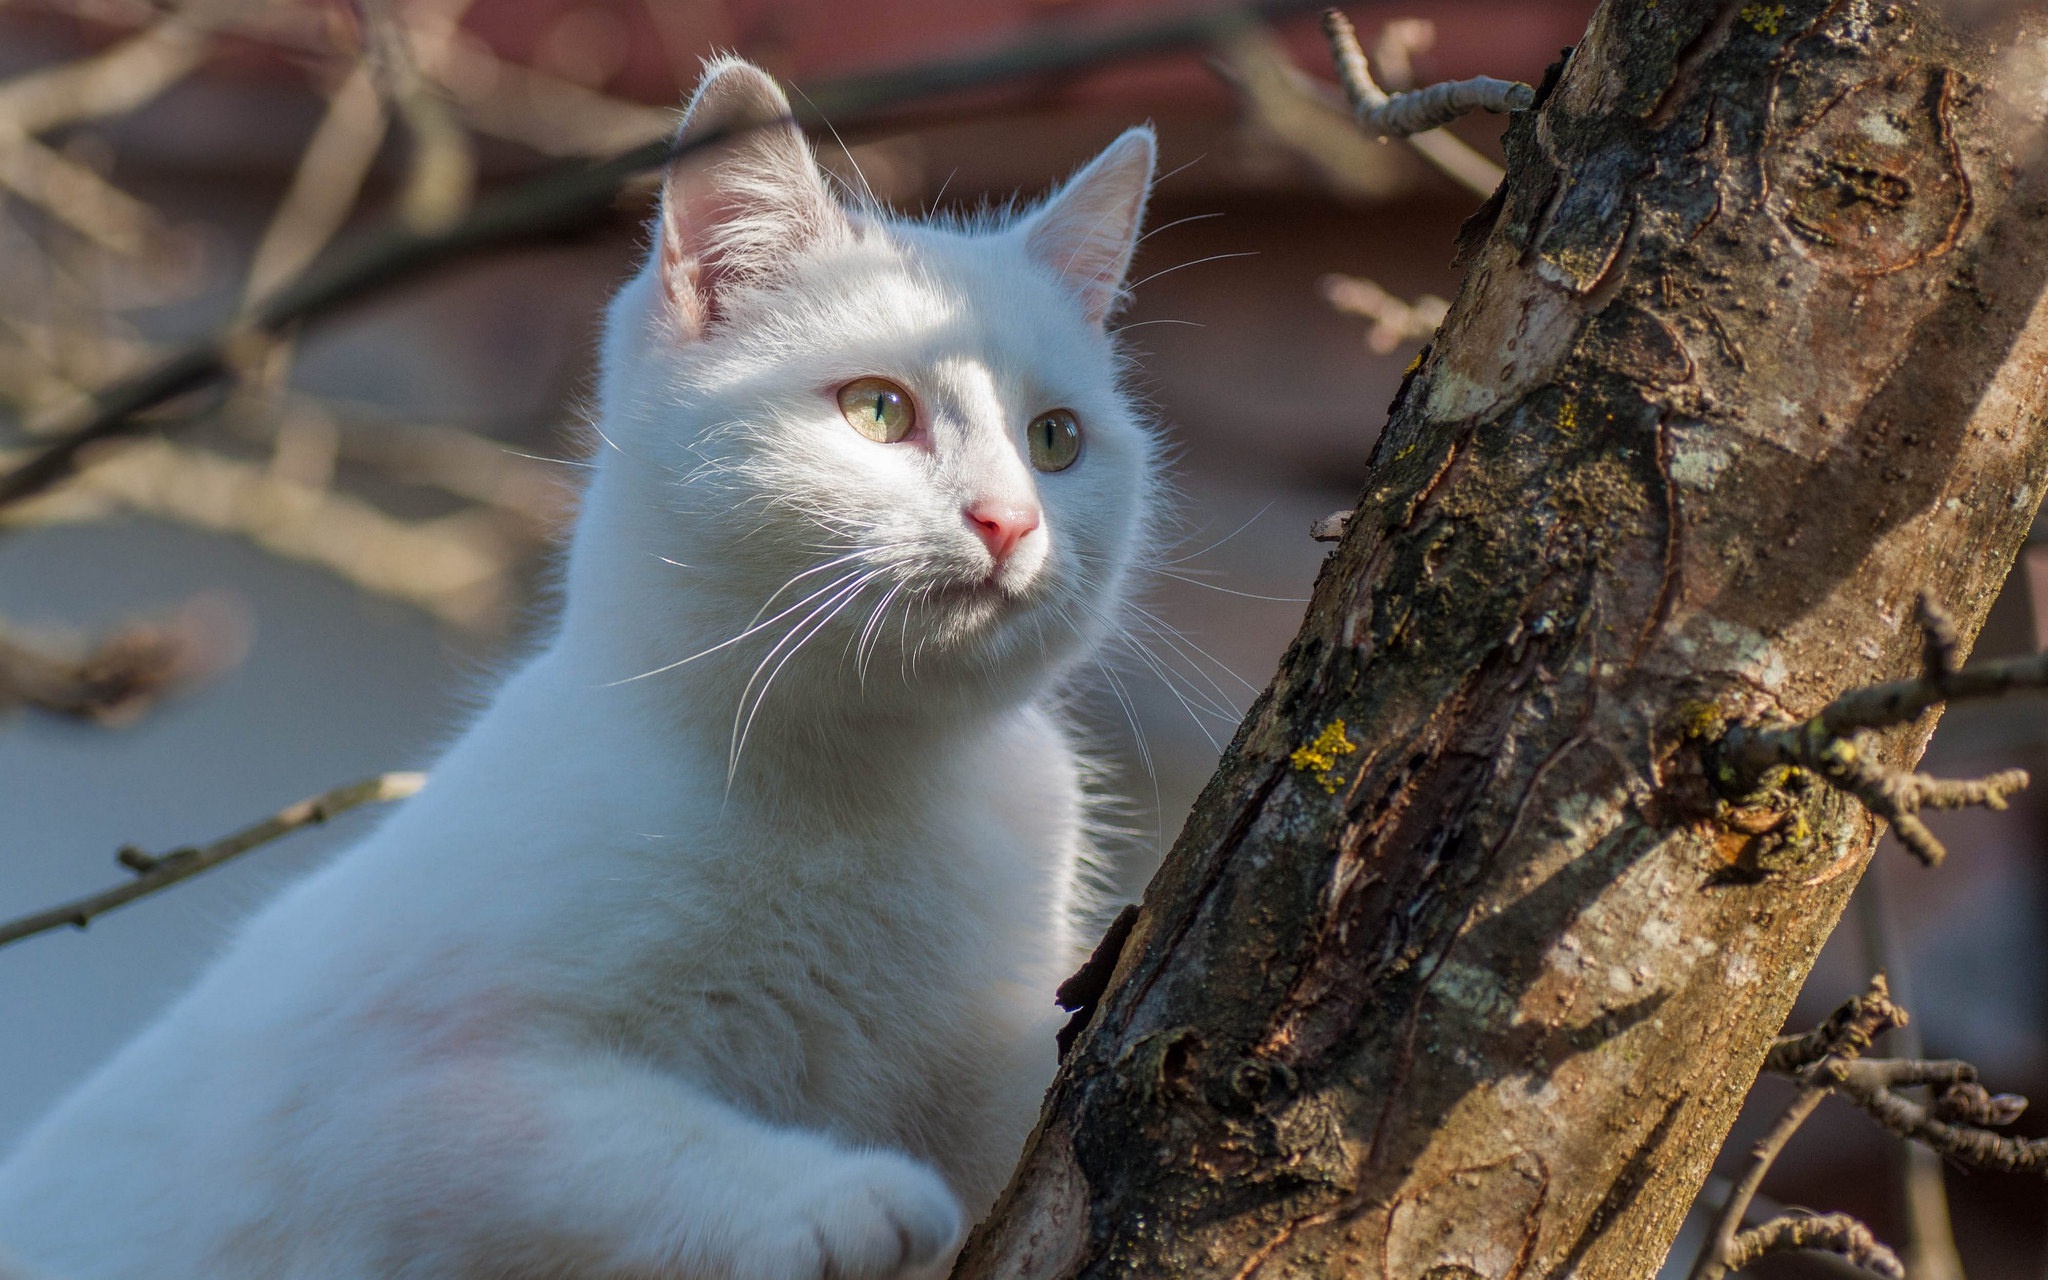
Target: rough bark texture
1454 971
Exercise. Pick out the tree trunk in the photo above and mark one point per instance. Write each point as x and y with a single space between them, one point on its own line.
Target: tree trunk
1457 971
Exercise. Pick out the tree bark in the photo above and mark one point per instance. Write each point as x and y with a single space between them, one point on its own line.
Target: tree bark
1457 969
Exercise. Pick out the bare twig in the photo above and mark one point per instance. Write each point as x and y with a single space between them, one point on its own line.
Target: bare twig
1952 1124
1929 1248
1834 1233
1416 115
154 873
1404 115
1392 56
553 204
1818 1060
1831 744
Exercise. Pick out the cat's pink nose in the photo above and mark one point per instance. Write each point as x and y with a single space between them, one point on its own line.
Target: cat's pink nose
1002 525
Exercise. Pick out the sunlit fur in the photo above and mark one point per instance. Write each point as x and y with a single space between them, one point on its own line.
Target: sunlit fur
723 943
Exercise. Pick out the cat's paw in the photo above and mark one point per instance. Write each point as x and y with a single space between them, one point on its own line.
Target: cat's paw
867 1216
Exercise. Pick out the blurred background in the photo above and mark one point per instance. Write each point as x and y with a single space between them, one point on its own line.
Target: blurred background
307 579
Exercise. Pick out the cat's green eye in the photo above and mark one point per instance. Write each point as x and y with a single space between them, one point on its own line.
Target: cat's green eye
1055 440
878 409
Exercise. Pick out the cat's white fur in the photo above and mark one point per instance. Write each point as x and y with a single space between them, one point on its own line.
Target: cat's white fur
665 974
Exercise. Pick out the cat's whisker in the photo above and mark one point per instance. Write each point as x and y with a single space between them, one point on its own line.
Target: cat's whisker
1196 555
850 556
1229 591
873 201
727 643
1167 271
1130 710
1175 636
933 203
831 609
872 634
541 457
1177 222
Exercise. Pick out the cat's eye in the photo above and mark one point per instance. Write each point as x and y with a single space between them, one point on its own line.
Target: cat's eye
878 409
1055 440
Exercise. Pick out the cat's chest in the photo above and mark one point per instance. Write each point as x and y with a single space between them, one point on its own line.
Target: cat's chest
813 975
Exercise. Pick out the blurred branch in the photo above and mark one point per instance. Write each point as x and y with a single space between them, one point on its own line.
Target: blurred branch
154 873
442 179
1394 323
110 83
457 568
1305 116
116 679
456 461
324 187
551 205
553 116
77 197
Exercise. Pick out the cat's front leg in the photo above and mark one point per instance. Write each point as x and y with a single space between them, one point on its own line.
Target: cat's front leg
602 1167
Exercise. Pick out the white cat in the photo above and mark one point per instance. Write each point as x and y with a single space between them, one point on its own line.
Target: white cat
723 944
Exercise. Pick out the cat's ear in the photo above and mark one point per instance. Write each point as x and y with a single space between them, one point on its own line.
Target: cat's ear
743 197
1086 231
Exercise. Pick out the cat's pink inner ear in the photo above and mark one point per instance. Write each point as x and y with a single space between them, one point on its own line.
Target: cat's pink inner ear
742 200
1087 231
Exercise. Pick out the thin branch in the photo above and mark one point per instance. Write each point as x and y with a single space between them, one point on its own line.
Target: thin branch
1392 54
1819 1061
558 202
1834 1233
1403 115
1832 746
155 873
1960 1139
1929 1249
1952 1124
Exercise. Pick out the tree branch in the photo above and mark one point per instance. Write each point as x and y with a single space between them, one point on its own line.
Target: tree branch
1818 1060
558 202
154 873
1403 115
1831 745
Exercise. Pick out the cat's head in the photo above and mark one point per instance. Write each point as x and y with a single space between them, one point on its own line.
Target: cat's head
897 449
